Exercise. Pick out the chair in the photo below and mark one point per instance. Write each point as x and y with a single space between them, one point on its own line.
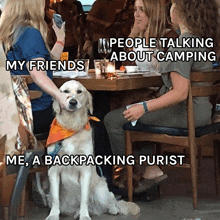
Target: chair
192 138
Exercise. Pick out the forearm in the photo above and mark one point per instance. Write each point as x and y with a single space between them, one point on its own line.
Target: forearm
57 49
59 45
43 81
173 97
178 93
170 98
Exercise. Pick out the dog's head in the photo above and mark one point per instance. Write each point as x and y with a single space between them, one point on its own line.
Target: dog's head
78 97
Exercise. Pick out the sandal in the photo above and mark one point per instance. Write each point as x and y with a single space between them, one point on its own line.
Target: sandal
145 184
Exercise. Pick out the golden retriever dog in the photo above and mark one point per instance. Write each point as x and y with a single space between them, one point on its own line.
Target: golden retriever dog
79 190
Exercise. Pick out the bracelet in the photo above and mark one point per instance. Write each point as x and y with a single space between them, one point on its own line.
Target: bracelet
145 106
60 42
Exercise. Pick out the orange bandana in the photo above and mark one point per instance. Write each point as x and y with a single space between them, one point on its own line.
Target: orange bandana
58 132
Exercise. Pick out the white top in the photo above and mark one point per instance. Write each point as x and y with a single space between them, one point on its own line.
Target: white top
150 66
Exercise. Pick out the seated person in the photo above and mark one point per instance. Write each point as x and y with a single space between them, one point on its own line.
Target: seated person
68 9
169 109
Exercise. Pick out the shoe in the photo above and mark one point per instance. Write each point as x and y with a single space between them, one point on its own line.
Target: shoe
38 199
145 184
38 195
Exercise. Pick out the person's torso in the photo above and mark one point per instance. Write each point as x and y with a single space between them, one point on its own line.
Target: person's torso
16 54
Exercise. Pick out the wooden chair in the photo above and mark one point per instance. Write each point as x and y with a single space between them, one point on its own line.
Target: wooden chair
192 138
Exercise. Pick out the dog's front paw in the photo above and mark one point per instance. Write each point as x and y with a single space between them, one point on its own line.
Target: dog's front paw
76 215
52 217
113 210
85 218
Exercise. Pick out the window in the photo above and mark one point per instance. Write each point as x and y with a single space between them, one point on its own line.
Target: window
87 4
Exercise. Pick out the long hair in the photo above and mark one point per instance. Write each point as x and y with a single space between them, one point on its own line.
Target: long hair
156 12
21 13
201 17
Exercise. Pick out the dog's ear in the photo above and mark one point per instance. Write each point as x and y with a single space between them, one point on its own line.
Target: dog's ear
56 107
89 102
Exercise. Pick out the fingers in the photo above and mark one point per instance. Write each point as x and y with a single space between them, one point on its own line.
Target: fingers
54 24
128 115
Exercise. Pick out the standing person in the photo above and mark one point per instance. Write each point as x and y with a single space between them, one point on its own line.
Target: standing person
51 36
100 19
68 9
23 33
195 19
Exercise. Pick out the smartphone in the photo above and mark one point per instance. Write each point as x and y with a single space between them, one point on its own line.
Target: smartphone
58 20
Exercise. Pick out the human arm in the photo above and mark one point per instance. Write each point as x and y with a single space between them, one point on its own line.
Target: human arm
178 94
46 84
59 45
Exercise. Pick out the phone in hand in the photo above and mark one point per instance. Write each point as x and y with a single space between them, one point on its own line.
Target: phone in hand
58 20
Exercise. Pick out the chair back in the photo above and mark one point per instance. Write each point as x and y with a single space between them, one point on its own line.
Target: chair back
201 84
209 77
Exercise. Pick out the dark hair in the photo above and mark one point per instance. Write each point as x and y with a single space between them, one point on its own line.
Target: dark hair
201 17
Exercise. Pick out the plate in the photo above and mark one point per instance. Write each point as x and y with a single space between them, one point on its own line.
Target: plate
131 69
70 74
129 74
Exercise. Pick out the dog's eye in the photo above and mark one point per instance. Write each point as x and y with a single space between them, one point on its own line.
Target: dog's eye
66 91
79 91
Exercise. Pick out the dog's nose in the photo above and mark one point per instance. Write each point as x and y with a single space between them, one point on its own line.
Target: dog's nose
73 103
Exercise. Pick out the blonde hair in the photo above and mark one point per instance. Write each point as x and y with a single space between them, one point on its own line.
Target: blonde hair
155 10
21 13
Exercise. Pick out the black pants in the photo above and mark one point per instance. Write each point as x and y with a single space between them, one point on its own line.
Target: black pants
43 120
103 148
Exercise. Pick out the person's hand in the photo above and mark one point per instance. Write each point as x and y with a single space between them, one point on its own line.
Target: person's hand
62 97
134 112
60 33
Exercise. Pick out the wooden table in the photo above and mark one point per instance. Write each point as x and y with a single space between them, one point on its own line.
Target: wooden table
93 83
108 93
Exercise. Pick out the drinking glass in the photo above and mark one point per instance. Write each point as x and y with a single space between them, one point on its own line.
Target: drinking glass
104 48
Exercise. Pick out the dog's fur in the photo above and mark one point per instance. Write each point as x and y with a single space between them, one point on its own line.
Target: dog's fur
78 189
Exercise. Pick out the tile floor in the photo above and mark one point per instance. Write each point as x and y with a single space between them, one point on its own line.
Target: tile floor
175 203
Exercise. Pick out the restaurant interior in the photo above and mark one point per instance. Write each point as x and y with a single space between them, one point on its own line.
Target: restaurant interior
192 189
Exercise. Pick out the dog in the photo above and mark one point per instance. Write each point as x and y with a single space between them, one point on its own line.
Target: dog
79 190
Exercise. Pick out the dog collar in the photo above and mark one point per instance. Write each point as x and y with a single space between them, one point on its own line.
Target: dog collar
58 132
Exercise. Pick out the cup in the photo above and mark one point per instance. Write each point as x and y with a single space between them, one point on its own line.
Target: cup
98 67
64 56
84 72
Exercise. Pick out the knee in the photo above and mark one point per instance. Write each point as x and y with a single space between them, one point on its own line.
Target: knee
114 118
107 119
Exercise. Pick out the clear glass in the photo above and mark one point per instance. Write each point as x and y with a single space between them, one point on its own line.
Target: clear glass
104 48
83 73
